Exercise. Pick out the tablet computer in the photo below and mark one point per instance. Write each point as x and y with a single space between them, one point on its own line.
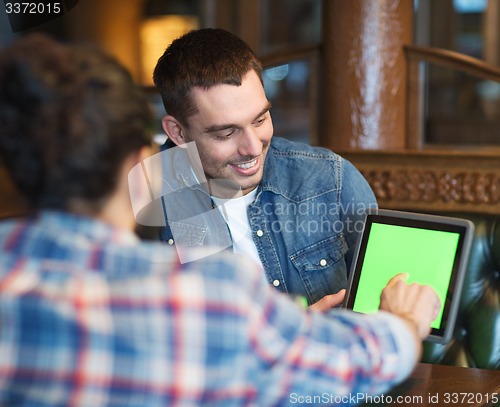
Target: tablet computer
432 250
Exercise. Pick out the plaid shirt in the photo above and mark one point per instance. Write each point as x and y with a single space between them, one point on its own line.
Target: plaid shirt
90 316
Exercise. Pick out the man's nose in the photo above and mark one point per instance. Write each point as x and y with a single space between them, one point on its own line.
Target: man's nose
250 144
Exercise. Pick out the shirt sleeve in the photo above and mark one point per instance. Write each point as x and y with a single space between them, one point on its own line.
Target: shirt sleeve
339 357
405 341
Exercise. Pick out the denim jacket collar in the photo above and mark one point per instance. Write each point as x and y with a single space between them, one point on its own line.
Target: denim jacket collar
276 177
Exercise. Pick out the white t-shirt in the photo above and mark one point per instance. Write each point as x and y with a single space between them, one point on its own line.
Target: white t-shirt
234 212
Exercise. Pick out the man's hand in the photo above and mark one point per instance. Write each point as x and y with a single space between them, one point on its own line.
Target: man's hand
328 302
417 304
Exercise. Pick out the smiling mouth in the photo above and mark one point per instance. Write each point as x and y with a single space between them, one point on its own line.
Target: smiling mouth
246 166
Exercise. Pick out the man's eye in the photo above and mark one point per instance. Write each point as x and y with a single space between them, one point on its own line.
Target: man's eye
261 120
224 136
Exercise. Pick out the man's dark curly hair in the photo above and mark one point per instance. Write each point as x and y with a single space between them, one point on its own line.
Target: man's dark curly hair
69 117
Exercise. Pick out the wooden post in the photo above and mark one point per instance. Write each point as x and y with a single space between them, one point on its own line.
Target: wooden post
364 101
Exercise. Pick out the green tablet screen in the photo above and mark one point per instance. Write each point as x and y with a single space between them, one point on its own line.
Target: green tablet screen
428 256
427 252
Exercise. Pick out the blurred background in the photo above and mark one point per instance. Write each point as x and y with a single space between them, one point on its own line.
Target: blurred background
292 36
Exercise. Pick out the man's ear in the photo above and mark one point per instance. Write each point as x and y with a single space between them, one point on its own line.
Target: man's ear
173 129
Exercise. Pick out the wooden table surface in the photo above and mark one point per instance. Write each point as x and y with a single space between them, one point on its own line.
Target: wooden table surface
438 385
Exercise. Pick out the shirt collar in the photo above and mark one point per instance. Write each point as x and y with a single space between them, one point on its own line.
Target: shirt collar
85 226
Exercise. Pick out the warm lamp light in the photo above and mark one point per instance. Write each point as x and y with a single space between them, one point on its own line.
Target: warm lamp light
157 33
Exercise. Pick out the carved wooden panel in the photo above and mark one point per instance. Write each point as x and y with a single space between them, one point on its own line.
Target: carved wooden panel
434 186
432 180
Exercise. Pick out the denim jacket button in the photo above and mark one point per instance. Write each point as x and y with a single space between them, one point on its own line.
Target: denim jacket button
260 233
322 262
276 283
170 242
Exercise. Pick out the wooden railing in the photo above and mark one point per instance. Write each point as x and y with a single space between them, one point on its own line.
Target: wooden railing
290 54
417 58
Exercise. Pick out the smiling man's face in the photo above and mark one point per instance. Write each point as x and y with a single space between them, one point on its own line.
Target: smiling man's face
232 130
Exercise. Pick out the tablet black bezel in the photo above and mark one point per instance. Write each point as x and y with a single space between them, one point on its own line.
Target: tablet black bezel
423 221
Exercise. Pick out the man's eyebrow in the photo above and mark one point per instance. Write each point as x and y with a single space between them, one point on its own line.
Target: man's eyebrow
216 128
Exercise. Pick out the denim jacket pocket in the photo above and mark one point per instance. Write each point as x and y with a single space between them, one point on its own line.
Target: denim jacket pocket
187 235
321 267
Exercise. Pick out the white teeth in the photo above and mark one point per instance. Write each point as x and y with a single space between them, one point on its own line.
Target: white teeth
247 165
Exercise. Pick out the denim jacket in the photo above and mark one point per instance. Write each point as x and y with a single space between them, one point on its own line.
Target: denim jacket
305 219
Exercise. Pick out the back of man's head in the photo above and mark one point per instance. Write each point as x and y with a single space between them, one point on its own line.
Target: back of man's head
69 117
201 58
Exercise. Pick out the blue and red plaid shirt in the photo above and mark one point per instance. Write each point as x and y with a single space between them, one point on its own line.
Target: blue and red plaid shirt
91 316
